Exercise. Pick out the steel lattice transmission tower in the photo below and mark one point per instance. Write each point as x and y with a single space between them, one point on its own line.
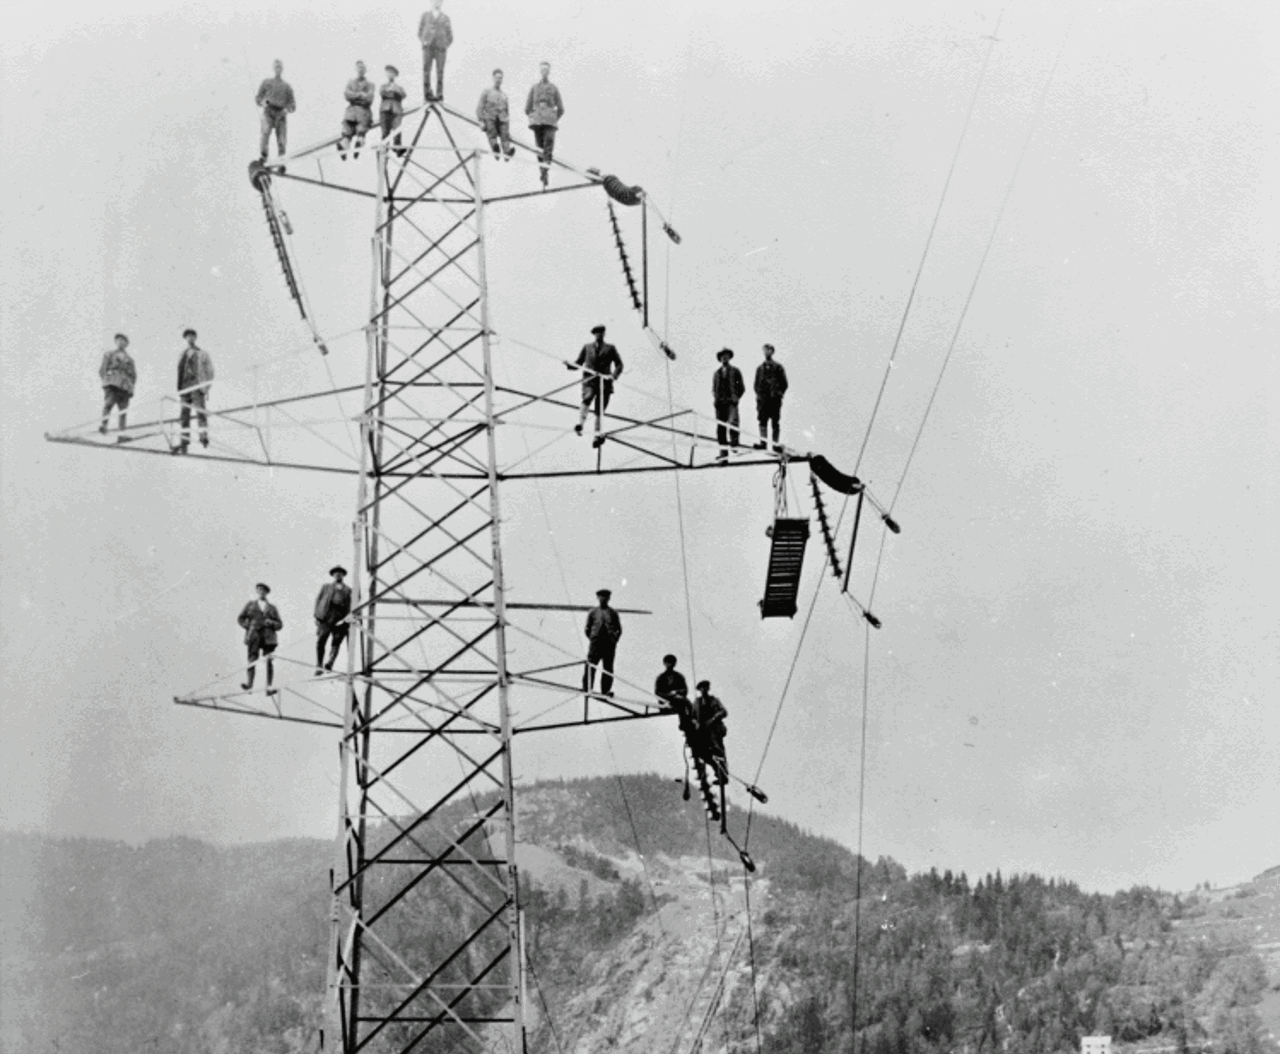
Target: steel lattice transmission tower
425 950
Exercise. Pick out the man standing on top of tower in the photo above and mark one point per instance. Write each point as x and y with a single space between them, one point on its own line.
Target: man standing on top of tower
333 605
118 375
358 117
545 108
275 96
259 619
391 112
601 365
604 630
195 377
727 388
436 33
771 386
494 115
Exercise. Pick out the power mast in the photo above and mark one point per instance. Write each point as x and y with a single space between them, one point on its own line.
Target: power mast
425 948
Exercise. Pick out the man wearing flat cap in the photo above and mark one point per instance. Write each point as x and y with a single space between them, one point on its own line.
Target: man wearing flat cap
727 389
601 365
333 605
259 619
604 630
195 378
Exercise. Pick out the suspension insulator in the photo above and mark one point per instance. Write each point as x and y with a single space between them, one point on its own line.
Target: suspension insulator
670 232
747 862
891 523
758 794
620 192
259 176
827 537
871 618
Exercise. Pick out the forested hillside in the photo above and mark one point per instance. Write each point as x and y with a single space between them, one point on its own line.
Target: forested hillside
182 947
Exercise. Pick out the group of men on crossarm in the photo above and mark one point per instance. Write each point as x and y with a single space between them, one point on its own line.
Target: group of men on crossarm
119 376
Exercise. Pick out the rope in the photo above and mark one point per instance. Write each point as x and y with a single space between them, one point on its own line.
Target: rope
751 951
635 834
927 242
995 227
862 784
537 987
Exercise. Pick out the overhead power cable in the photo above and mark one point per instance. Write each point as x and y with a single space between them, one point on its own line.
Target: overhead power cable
924 255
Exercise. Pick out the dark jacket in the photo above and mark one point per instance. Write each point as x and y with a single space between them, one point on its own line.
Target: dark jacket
601 359
711 716
195 369
771 381
393 95
671 685
334 603
260 625
435 32
359 93
603 624
727 385
544 105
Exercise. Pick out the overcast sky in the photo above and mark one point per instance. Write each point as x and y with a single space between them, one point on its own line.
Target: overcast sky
1077 669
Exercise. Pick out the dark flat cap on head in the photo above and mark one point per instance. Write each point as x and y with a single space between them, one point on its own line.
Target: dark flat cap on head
188 332
393 70
263 586
597 329
606 593
337 569
704 686
724 353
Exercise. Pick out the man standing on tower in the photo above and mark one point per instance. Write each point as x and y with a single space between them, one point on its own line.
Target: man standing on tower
333 605
435 31
494 114
118 375
195 377
601 366
709 720
771 386
259 619
544 108
604 630
275 96
727 388
358 116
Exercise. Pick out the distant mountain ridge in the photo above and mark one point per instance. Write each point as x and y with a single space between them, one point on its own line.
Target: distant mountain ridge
636 929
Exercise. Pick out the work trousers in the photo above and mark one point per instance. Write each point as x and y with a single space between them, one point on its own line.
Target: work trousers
113 398
726 425
433 53
195 398
596 393
324 633
257 649
499 133
600 653
544 137
277 120
769 410
390 122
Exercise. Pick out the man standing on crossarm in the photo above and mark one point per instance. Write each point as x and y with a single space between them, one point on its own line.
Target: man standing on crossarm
195 378
727 389
494 114
770 386
603 630
275 96
358 116
260 620
435 31
391 112
544 108
601 365
118 375
333 605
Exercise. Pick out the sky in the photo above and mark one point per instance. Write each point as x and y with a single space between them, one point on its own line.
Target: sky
1076 673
